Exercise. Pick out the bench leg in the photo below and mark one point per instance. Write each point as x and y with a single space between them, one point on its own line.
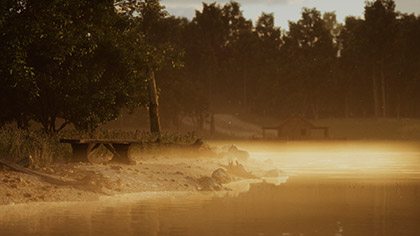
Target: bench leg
120 152
80 152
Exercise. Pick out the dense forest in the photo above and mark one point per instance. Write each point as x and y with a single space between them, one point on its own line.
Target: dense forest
81 62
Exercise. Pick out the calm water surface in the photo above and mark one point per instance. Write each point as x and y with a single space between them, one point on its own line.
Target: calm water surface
334 190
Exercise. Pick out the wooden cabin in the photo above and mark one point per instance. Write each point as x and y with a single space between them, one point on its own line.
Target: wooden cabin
297 127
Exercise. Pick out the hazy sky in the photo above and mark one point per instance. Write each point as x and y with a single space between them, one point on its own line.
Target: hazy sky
285 10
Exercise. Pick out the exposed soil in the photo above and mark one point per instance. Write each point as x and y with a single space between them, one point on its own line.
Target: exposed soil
161 172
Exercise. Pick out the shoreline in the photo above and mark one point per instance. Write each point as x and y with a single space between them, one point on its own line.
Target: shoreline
36 208
154 174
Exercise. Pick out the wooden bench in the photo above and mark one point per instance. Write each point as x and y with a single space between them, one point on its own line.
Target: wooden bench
82 148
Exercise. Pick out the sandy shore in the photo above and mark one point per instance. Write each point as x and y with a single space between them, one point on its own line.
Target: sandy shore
151 174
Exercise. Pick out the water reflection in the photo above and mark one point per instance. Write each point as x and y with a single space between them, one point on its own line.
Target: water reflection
302 206
328 194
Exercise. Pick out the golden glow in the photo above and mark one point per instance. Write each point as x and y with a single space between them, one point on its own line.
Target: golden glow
337 157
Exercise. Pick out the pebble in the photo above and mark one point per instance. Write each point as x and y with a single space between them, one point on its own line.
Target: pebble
116 167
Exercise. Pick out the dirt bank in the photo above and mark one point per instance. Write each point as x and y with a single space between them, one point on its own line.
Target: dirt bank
161 172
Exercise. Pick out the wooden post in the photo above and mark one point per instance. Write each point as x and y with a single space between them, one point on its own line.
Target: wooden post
212 125
121 153
80 152
153 104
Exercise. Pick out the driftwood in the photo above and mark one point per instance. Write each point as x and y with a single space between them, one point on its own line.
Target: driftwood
82 184
47 178
238 170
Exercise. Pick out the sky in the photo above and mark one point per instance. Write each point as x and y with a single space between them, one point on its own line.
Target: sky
285 10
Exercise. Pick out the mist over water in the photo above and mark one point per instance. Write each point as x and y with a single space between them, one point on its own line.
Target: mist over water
338 188
352 157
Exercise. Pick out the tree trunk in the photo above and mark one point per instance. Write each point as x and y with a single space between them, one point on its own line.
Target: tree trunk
375 92
398 106
315 111
245 92
153 104
383 92
212 125
346 105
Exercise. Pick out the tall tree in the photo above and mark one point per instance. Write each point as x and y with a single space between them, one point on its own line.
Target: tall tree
237 55
68 64
268 63
379 33
404 87
148 19
354 89
314 54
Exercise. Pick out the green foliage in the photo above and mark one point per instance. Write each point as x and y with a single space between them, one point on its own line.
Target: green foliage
378 55
80 62
313 60
78 65
319 67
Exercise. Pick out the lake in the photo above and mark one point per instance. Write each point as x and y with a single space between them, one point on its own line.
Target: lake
350 188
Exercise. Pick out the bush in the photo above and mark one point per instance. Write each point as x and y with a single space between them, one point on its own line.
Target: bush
45 148
17 143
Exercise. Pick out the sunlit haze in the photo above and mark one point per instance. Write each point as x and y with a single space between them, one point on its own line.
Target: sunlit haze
336 157
287 10
210 117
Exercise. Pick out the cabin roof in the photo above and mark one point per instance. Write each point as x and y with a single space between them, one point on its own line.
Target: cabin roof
296 115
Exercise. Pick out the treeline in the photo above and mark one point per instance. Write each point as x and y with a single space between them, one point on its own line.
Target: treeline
365 67
83 61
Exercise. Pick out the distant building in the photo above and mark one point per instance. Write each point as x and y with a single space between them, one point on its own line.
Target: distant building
297 128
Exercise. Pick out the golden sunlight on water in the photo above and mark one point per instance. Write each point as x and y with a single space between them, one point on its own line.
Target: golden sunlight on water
387 158
332 189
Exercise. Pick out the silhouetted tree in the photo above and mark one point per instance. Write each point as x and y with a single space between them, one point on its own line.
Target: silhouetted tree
379 32
314 57
68 64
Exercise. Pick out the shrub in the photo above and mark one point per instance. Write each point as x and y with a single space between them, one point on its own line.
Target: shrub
46 148
17 143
